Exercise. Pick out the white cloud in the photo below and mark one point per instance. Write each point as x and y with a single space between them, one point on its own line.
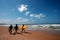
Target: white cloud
32 20
25 20
32 15
20 19
41 15
22 8
5 20
27 13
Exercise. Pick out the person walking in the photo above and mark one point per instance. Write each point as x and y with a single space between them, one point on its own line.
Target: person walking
10 29
23 30
16 29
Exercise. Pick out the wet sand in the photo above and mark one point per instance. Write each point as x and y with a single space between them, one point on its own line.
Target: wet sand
28 35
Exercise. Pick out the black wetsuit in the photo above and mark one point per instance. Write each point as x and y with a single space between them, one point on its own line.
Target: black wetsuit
10 29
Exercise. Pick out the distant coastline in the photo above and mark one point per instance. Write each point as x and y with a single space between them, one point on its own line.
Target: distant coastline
27 24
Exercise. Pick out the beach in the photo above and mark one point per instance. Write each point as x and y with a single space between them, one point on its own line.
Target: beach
29 35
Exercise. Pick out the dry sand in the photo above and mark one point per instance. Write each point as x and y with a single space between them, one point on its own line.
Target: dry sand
29 35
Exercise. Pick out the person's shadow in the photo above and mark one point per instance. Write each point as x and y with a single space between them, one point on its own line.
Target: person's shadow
27 32
21 33
17 33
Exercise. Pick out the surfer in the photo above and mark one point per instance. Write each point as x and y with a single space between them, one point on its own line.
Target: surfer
16 29
23 30
10 29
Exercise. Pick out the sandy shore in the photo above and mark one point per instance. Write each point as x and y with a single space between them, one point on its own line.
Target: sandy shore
29 35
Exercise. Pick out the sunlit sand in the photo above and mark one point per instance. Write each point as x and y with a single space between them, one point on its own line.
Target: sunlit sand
28 35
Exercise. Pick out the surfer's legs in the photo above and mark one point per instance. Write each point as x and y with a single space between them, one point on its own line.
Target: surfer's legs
10 31
15 32
23 30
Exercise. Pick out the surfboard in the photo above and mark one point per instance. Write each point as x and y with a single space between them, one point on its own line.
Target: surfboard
20 27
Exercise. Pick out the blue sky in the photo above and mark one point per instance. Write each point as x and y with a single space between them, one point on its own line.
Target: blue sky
29 11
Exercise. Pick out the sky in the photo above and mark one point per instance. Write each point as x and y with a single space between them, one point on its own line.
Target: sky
29 11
